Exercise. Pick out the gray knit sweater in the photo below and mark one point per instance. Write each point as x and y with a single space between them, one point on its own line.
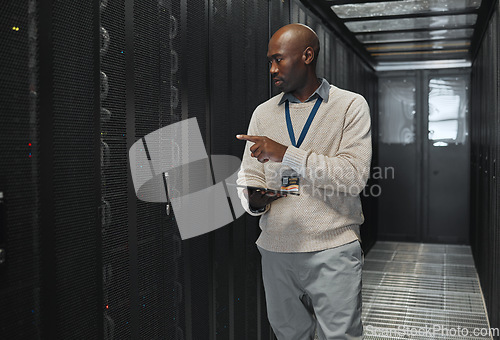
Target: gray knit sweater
333 163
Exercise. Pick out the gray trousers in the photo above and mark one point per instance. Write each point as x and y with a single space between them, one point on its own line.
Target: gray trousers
314 291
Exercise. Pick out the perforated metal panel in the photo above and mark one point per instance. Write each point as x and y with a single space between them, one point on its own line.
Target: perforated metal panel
115 215
192 44
417 291
49 72
154 249
19 177
75 148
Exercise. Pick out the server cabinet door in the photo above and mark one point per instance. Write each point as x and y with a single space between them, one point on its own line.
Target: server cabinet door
447 170
398 173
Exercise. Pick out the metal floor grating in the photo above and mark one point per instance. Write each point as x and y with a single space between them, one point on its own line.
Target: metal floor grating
422 291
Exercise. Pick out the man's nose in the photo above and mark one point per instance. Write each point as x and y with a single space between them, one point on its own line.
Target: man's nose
273 69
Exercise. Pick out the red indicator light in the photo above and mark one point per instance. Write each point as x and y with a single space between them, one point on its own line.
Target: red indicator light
107 306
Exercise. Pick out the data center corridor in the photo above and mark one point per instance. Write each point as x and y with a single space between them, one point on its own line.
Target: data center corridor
88 88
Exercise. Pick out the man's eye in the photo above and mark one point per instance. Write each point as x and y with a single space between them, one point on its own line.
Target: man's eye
278 60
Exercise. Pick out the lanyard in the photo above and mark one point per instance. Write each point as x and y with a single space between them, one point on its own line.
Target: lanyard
306 126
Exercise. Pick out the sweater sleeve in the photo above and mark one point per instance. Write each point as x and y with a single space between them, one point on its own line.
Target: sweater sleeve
251 172
349 169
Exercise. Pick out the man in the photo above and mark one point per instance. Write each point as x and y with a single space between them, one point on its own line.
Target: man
310 243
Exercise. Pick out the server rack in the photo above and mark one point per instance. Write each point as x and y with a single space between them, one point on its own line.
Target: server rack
485 156
84 257
20 199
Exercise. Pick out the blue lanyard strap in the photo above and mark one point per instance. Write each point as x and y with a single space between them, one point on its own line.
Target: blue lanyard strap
306 126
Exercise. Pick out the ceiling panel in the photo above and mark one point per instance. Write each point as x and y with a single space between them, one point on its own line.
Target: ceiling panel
373 9
374 38
445 21
419 46
448 55
390 31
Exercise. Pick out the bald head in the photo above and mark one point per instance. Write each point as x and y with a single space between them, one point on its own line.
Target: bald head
292 53
299 37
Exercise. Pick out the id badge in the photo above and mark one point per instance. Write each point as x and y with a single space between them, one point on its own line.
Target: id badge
290 181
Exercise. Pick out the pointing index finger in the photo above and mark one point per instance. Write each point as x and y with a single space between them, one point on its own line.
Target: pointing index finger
246 137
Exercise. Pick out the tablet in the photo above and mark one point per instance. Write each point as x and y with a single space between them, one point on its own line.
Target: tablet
275 191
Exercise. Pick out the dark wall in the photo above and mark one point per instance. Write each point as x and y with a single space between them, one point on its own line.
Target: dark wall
84 81
485 158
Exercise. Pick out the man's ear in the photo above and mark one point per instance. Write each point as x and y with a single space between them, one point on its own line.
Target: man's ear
308 55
